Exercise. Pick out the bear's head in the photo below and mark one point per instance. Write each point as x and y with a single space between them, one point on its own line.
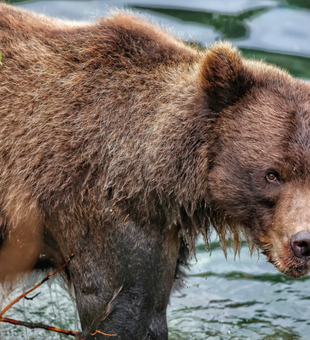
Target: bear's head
259 161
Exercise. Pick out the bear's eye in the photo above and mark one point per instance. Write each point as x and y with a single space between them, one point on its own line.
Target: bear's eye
272 176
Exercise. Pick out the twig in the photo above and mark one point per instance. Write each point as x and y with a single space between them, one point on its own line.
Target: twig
92 334
41 325
38 325
35 287
31 298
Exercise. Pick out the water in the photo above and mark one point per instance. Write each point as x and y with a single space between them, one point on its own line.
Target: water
222 299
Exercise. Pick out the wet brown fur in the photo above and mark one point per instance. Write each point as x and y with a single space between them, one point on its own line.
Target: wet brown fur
117 129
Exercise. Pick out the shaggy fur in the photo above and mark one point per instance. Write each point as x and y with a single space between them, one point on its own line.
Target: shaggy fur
121 144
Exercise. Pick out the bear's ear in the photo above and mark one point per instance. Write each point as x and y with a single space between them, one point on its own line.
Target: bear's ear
223 76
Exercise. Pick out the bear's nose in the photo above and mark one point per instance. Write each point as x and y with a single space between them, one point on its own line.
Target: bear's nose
300 244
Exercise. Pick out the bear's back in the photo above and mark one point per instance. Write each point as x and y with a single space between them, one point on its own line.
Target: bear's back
122 39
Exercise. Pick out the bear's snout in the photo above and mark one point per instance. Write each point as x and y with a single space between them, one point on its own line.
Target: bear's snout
300 244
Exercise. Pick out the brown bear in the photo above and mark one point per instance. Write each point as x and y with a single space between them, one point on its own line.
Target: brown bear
121 144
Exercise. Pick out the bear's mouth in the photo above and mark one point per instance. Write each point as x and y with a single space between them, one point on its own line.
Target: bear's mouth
287 263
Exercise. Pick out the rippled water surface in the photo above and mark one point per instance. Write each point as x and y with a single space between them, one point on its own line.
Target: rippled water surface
244 298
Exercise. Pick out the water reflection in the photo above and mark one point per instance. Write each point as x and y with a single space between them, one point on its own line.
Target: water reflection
229 26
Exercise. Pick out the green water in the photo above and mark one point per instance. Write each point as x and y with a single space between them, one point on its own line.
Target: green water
244 298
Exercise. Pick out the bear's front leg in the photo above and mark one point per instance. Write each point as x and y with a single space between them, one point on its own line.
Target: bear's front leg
123 278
